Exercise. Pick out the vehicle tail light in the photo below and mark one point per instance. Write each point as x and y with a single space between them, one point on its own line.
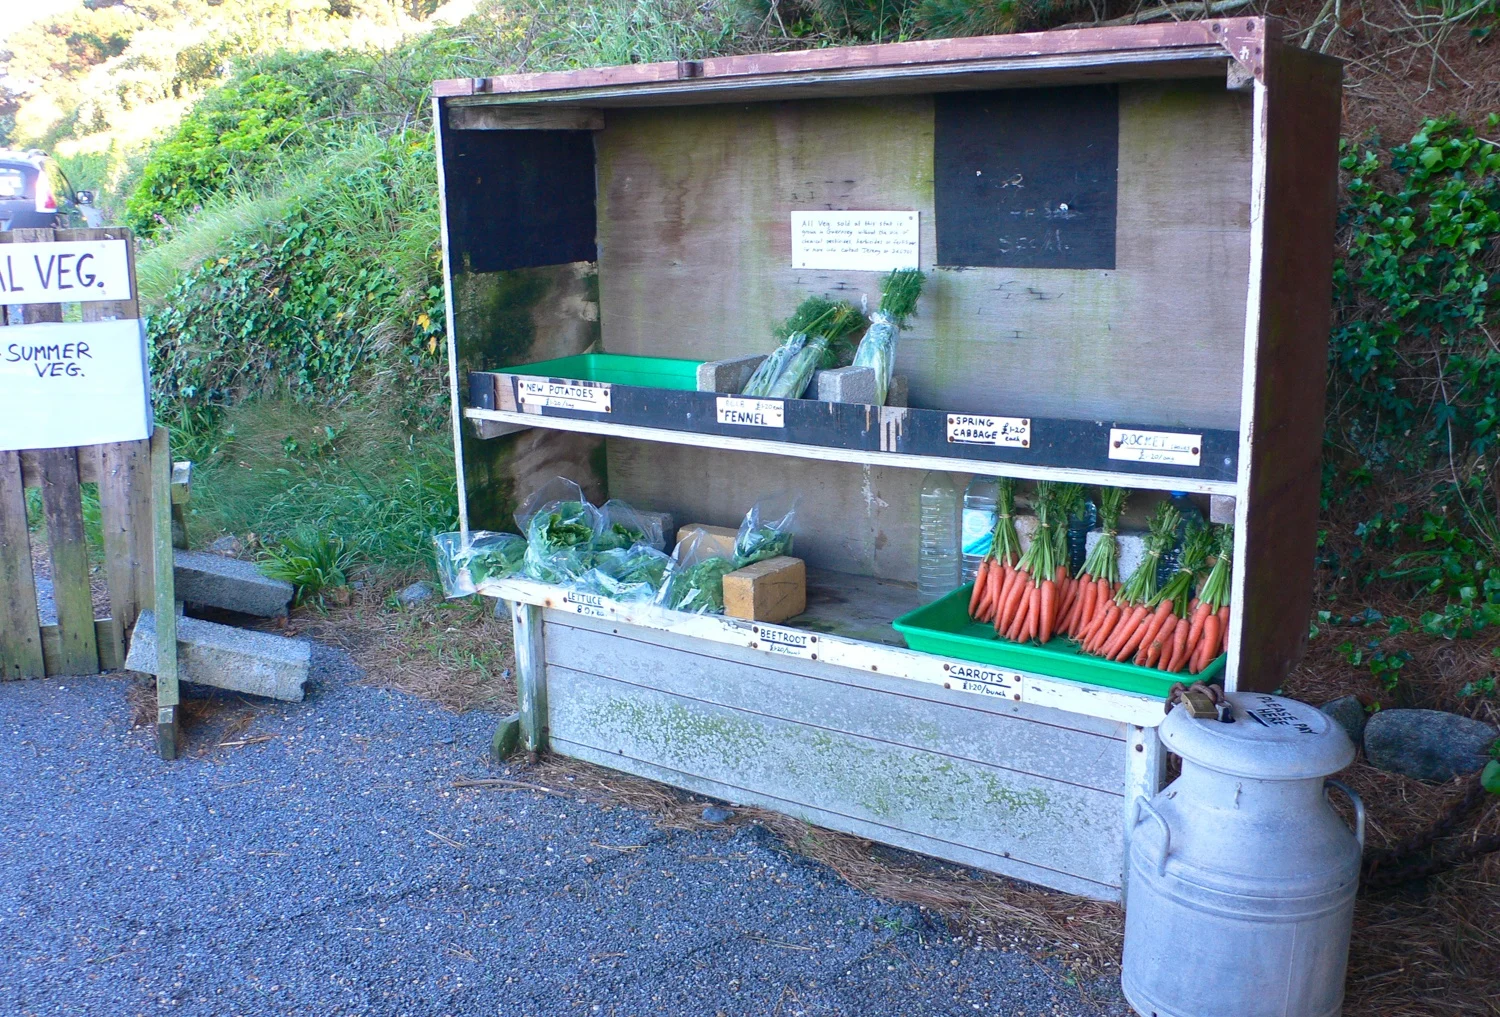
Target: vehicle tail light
46 201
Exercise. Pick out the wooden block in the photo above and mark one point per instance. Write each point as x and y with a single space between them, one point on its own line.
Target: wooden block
772 590
720 538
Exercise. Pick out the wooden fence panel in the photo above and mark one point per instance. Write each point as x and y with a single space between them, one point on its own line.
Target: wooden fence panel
80 642
67 546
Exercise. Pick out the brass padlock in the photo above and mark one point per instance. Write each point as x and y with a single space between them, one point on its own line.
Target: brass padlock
1200 705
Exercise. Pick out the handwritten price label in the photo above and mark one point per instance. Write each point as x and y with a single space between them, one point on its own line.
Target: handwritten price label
1006 432
751 412
1166 447
559 393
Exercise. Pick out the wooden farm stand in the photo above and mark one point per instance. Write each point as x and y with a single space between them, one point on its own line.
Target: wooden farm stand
1150 250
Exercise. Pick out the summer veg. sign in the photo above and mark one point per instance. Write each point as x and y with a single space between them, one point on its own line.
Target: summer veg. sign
67 384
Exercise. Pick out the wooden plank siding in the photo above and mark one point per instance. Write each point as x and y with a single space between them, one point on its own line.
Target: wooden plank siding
84 638
1025 791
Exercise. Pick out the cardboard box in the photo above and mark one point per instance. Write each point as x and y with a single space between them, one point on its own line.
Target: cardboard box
770 591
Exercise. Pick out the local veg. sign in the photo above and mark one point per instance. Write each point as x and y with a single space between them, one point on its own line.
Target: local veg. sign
70 383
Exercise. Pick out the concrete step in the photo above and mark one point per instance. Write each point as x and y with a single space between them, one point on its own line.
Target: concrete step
211 580
240 660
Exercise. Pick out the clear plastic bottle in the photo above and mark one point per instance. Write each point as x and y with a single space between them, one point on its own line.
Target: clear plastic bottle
938 563
981 498
1078 534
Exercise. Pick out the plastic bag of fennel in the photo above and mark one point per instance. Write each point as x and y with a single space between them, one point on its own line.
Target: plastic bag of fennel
794 378
899 292
760 382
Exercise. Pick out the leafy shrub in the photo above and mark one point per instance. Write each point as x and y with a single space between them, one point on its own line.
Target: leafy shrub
234 132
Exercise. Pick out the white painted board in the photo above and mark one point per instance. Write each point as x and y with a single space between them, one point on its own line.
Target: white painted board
855 241
78 383
64 272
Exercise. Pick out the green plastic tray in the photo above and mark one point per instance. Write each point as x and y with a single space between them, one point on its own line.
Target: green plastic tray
618 369
944 627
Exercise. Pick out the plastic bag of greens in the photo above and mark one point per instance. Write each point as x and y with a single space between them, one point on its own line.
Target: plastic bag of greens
621 526
760 382
766 531
627 574
899 292
464 568
560 541
695 580
555 490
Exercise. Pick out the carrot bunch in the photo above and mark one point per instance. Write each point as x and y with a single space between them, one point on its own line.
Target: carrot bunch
1099 577
1029 602
1005 553
1118 630
1164 646
1210 620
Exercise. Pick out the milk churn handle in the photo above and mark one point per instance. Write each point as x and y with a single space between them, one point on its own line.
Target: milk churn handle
1359 808
1141 805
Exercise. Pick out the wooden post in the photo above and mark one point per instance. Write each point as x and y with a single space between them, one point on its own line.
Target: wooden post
182 492
531 676
165 600
1145 771
20 629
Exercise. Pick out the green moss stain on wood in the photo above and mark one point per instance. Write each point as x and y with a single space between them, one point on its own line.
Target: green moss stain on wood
509 318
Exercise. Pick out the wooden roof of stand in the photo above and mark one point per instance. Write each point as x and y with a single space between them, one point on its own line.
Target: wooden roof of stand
1085 55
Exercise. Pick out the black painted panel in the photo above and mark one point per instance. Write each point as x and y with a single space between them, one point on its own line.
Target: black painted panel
1027 178
1056 443
519 199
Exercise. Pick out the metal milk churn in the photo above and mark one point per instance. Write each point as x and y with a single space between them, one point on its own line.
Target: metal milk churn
1242 875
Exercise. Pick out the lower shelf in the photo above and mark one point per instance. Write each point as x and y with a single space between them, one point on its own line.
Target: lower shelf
848 623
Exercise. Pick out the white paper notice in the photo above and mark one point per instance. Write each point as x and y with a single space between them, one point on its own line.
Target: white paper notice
63 385
64 271
855 241
1155 447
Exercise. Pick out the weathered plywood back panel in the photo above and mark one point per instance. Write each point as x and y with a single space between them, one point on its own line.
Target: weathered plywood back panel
850 518
695 252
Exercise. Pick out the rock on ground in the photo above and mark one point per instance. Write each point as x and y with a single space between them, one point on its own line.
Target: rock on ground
1427 744
1349 713
416 593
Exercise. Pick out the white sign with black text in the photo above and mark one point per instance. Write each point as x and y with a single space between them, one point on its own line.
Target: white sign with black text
855 241
64 272
1169 447
64 385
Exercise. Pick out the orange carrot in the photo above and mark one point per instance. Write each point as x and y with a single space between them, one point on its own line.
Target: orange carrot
1124 630
1010 598
1048 602
1195 630
981 584
1163 641
1179 655
1104 626
1033 615
1156 622
1208 649
1136 636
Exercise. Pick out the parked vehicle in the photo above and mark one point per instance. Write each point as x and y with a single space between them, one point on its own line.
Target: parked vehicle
27 199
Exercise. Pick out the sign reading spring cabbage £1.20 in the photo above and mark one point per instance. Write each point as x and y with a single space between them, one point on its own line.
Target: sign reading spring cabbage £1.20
65 385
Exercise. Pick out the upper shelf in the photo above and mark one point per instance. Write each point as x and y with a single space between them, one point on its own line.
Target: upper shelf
1114 453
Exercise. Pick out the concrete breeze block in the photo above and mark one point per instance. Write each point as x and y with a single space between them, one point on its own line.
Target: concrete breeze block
240 660
228 583
727 376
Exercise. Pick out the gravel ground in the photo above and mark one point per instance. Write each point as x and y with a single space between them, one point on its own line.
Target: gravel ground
321 863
